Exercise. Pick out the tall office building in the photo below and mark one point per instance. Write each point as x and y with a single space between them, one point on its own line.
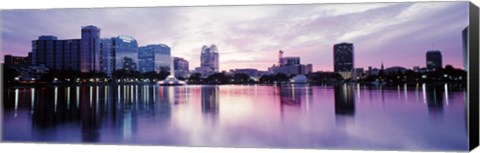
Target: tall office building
434 60
181 67
114 50
162 58
343 59
56 54
465 48
154 58
209 58
90 49
146 58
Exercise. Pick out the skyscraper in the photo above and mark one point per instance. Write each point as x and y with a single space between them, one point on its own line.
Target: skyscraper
343 59
162 58
209 58
154 58
434 60
90 49
56 54
146 58
115 49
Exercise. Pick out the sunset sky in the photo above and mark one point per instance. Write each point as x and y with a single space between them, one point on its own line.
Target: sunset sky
397 34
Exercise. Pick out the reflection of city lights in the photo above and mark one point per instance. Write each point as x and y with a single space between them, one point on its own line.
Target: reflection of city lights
68 98
424 94
33 101
91 95
78 96
446 93
97 99
56 99
16 101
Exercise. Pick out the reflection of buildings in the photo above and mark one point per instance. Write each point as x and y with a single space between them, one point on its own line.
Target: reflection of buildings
292 94
434 97
210 99
434 60
290 66
154 58
343 59
344 100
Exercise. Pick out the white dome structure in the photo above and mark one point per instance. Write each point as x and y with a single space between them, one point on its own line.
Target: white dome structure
299 79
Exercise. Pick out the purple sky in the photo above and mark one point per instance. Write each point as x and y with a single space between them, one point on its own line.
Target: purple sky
397 34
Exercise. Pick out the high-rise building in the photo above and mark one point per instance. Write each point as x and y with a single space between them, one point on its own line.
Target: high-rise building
162 58
90 49
209 58
181 67
465 48
146 58
56 54
154 58
343 59
434 60
114 50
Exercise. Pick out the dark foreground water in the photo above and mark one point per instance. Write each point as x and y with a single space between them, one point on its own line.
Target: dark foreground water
420 117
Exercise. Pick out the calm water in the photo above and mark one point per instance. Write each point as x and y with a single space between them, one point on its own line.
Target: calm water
418 117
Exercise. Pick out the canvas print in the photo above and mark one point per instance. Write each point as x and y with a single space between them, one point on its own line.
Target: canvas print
369 76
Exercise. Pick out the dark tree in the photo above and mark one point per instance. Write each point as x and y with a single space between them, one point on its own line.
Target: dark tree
195 78
241 78
9 75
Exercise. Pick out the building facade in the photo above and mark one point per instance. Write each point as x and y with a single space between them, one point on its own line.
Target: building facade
434 60
343 59
56 54
209 60
90 49
181 67
114 51
154 58
128 64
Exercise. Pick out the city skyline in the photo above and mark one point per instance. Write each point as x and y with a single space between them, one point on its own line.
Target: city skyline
395 36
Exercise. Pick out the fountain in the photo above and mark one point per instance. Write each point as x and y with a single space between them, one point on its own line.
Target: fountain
171 80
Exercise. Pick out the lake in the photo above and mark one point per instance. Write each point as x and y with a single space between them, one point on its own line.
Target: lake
353 116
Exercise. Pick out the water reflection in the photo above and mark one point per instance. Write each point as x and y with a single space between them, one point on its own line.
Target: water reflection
434 98
344 100
314 116
210 99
